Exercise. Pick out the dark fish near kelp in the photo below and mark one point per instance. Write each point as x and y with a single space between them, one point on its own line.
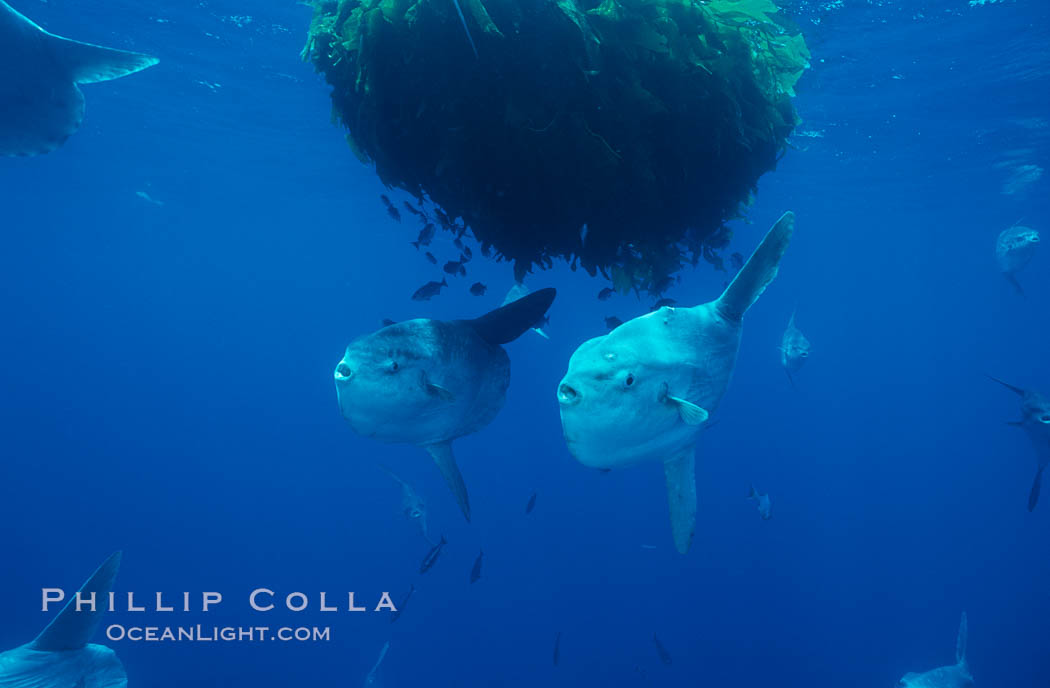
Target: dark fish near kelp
414 210
606 294
467 253
430 257
432 556
665 656
456 267
426 235
391 210
612 322
475 573
396 614
478 289
429 290
531 505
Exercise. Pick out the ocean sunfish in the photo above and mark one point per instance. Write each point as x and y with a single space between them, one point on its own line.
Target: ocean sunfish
954 676
1035 421
794 349
61 654
643 392
765 505
42 103
412 505
1014 249
427 382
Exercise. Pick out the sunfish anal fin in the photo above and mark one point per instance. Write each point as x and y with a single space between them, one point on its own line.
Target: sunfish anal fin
680 473
446 463
1033 496
71 630
89 64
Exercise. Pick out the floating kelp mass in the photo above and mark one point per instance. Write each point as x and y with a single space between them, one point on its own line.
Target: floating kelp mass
619 135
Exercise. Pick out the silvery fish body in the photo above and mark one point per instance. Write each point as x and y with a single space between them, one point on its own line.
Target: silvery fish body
1014 249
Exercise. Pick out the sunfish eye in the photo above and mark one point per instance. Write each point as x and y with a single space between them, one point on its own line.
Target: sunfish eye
629 380
1045 419
393 367
804 354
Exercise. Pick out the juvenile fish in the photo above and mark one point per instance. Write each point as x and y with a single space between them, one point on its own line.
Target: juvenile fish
429 290
432 556
412 505
412 209
431 258
606 294
531 505
475 573
467 253
612 322
478 289
396 614
765 506
665 656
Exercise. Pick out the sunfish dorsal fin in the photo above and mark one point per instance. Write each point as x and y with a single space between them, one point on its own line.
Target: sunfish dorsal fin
759 270
446 463
960 641
507 323
71 630
1017 390
88 64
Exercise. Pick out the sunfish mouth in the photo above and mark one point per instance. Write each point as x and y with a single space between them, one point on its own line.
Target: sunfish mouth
343 373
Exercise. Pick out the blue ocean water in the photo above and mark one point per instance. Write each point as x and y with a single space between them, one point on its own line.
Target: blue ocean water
179 280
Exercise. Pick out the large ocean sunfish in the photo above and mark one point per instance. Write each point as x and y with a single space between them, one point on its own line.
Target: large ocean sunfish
954 676
40 103
427 382
644 391
60 657
1035 421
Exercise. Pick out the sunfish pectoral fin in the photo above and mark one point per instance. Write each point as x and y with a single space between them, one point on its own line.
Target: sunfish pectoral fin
88 64
71 630
446 463
759 270
1012 279
1033 495
680 473
690 412
540 332
1016 390
440 392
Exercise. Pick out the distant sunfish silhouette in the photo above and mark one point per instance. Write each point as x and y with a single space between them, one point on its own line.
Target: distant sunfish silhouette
954 676
794 349
427 382
644 391
40 103
1035 421
61 656
412 505
1014 249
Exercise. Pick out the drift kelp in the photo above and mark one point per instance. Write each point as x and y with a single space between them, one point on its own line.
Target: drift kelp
649 122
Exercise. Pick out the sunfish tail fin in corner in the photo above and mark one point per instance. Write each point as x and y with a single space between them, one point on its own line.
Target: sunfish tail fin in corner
446 463
759 270
71 630
507 323
960 641
45 74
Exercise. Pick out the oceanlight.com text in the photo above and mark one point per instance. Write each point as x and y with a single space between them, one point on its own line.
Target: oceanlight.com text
217 634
